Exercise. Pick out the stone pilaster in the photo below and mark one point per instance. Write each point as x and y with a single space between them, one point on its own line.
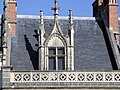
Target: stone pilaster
71 42
5 75
41 40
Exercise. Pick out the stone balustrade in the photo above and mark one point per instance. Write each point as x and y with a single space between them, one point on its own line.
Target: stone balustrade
40 76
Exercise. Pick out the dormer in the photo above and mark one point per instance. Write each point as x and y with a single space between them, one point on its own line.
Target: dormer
56 52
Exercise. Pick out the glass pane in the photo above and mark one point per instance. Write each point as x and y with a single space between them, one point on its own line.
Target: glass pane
51 51
52 63
61 51
61 63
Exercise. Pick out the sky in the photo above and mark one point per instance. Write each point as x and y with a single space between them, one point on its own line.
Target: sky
82 8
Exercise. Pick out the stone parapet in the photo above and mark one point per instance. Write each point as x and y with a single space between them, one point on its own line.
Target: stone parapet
62 79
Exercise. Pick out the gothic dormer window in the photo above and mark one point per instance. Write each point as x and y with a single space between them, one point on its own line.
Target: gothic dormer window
56 52
56 58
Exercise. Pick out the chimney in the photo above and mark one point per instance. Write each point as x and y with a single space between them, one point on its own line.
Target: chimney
109 11
112 11
96 7
9 29
10 12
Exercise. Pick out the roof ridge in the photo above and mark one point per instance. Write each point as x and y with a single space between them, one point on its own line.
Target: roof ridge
60 17
52 17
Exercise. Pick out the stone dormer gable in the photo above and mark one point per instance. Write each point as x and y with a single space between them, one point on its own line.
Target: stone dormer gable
56 37
56 29
56 52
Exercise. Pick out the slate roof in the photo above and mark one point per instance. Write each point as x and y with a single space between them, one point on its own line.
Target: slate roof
90 48
0 33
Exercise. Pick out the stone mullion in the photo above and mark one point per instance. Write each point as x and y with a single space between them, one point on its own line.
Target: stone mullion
56 58
46 59
65 57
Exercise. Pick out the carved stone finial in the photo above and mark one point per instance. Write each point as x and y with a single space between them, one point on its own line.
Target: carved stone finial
41 17
56 1
70 17
56 9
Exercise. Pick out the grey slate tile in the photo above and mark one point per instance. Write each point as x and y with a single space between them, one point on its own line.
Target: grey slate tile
90 49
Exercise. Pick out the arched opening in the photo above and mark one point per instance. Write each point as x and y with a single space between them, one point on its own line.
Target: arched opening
56 55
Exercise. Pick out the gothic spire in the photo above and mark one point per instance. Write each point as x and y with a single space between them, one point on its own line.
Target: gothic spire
56 9
41 17
70 17
41 22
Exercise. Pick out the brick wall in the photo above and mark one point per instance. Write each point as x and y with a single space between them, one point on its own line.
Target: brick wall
12 16
113 17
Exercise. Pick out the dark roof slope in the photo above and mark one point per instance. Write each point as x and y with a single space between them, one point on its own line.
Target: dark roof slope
0 32
0 79
90 48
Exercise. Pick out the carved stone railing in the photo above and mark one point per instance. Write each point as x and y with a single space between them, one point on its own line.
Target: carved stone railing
64 76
